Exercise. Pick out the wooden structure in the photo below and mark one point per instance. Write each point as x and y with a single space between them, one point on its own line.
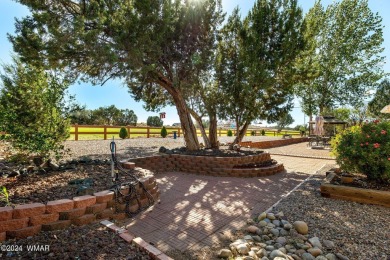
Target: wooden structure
330 123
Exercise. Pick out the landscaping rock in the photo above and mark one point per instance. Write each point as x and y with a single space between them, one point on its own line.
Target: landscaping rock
275 232
315 241
281 240
252 229
271 216
225 253
315 251
301 227
263 223
242 249
262 252
262 216
276 253
308 256
328 244
287 226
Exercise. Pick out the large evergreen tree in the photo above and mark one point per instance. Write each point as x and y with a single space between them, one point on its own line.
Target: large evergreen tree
255 63
157 47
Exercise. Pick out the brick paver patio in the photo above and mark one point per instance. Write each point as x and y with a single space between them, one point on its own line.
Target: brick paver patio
198 211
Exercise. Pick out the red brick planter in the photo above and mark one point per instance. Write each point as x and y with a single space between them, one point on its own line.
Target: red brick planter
29 219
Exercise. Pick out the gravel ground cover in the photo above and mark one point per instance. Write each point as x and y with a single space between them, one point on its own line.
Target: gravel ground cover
359 231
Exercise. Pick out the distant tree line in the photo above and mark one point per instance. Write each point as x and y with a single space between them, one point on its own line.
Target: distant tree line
109 115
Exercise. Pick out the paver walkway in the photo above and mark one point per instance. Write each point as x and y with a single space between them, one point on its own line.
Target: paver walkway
198 211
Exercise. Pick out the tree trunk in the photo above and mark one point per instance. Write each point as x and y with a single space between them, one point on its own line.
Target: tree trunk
241 134
311 125
198 119
213 135
189 130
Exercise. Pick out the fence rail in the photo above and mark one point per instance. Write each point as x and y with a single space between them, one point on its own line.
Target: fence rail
96 132
105 131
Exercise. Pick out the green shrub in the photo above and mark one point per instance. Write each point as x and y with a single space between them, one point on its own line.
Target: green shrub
123 133
262 132
164 132
365 149
34 109
229 133
253 133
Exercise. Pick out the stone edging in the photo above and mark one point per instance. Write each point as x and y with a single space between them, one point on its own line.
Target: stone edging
153 252
29 219
209 165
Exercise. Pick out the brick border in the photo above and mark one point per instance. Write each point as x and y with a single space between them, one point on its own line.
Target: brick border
152 251
27 220
273 143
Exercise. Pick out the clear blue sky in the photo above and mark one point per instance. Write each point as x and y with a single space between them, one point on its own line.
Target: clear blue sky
114 92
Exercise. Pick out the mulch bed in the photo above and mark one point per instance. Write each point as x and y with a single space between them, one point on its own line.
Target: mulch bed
361 181
92 241
55 185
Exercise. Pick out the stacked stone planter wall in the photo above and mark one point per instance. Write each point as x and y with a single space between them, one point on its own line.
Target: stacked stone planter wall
29 219
208 165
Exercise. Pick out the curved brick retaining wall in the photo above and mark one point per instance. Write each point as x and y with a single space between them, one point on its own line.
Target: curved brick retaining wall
29 219
208 165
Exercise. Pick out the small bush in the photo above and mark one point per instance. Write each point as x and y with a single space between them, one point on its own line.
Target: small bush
253 133
229 133
164 132
365 149
262 132
123 133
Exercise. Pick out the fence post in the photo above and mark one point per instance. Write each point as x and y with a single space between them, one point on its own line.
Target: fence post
219 132
105 132
128 131
178 132
148 132
76 132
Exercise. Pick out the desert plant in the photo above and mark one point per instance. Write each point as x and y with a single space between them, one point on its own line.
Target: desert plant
4 196
262 132
365 149
123 133
164 132
229 133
